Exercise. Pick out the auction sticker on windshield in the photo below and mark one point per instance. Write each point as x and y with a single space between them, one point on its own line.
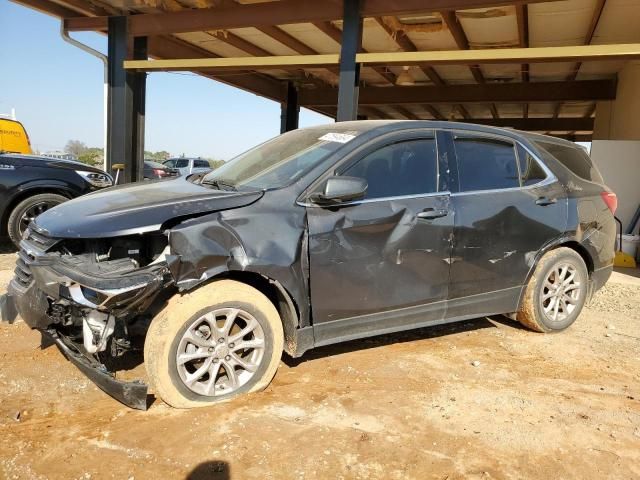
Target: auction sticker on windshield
337 137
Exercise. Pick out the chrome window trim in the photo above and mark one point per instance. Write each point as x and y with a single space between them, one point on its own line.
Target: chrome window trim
374 200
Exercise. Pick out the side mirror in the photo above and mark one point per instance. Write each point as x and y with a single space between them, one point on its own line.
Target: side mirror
341 189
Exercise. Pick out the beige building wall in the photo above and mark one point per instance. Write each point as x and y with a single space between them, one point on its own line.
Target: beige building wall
615 148
619 163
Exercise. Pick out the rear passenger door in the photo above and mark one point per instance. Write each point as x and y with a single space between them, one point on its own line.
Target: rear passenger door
507 205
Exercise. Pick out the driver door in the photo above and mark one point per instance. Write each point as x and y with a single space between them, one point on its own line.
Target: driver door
382 263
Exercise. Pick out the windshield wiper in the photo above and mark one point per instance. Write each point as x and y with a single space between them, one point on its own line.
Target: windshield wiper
220 184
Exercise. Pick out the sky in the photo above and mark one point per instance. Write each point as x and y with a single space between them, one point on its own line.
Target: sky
57 92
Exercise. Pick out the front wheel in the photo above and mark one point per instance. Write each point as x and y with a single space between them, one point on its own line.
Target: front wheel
27 210
208 346
556 292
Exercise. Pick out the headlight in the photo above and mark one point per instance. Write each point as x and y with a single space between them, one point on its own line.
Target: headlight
96 179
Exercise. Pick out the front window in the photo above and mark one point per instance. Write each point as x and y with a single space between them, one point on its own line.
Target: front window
400 169
283 159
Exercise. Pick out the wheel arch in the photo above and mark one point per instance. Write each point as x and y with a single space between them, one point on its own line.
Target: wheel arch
23 195
561 242
281 299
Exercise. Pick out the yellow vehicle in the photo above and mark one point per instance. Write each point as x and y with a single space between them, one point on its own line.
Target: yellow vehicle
13 137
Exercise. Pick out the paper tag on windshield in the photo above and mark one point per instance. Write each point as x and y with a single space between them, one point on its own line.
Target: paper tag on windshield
337 137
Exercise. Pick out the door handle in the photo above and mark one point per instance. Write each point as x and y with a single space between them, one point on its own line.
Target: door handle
544 201
431 213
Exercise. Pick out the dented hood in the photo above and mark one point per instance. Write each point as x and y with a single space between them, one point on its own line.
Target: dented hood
136 208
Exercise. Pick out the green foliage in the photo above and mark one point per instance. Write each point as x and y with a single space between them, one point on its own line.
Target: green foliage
92 156
157 156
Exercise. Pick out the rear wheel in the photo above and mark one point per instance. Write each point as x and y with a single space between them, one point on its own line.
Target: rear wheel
205 347
556 292
27 210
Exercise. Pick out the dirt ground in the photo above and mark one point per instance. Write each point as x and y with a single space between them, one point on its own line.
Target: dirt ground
410 405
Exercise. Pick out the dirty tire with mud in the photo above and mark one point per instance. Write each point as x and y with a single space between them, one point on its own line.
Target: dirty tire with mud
531 313
168 327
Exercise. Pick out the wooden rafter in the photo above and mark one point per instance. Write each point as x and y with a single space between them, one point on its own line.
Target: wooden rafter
335 34
587 90
274 13
595 18
451 20
405 43
522 17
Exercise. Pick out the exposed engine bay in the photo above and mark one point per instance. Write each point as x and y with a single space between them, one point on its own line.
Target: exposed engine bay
95 287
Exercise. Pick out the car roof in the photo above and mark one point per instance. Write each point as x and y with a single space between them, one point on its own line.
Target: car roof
391 125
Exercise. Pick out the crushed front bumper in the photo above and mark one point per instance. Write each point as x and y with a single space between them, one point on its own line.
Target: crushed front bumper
132 394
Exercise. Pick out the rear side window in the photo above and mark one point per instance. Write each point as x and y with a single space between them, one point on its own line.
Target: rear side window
574 158
485 163
201 164
530 170
399 169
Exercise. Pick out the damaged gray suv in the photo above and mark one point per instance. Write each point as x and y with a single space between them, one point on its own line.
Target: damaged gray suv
318 236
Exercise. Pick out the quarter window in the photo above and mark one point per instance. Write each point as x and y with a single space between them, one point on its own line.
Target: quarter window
530 170
404 168
485 164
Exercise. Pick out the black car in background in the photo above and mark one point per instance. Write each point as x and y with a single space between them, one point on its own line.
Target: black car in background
30 185
321 235
154 171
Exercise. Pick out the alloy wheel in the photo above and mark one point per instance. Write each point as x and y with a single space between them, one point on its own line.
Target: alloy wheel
560 292
220 352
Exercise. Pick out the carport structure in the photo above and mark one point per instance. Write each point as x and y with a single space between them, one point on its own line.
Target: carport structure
567 68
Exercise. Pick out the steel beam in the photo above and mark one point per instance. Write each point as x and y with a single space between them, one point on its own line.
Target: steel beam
290 110
626 51
588 90
349 69
126 100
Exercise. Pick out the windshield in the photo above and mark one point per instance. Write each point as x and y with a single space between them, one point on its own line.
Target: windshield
283 159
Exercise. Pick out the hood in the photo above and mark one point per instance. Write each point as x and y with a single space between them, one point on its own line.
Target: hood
136 208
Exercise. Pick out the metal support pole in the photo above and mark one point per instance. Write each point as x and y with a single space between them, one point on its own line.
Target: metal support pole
139 90
290 110
349 69
125 113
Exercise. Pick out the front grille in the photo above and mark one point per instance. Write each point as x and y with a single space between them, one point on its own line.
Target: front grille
33 245
22 271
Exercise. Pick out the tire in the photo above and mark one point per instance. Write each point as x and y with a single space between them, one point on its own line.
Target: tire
542 294
173 328
40 202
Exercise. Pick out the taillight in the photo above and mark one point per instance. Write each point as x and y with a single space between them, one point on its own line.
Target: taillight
611 199
158 172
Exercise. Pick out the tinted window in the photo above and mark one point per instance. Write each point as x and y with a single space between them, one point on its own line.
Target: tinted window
182 163
201 164
485 164
530 170
574 158
405 168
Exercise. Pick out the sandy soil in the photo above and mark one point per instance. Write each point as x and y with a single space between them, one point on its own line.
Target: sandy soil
409 405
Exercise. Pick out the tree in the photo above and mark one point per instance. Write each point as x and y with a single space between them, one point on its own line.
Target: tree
75 148
157 156
92 156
